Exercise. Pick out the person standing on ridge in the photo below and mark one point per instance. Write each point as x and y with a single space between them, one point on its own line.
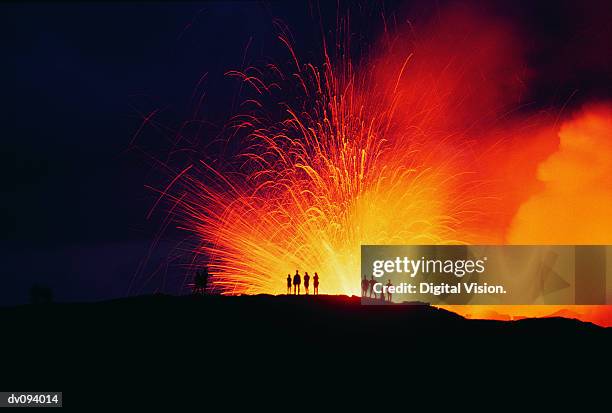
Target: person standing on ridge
371 287
288 284
297 280
198 282
306 282
389 296
205 276
364 286
316 283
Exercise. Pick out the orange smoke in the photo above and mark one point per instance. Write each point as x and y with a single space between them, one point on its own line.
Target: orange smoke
541 183
461 73
575 204
458 80
572 206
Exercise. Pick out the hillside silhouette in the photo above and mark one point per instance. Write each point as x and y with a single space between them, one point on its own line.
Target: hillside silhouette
168 338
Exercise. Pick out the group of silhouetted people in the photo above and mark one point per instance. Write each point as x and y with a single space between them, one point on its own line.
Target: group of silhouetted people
367 289
294 284
296 281
200 281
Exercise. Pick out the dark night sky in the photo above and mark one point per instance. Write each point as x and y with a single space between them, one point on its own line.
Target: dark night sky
76 77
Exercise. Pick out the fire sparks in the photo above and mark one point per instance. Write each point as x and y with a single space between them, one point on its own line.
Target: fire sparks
333 173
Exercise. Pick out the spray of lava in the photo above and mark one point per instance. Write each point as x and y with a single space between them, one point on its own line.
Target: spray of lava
315 176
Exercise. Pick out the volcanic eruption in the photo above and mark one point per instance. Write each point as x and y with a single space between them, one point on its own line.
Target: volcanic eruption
395 146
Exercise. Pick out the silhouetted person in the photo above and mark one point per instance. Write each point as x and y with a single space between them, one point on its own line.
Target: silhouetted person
288 284
371 291
316 283
364 286
297 280
306 282
41 295
198 283
388 293
205 276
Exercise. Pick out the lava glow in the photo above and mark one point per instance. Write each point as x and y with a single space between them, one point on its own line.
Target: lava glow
347 164
397 147
320 183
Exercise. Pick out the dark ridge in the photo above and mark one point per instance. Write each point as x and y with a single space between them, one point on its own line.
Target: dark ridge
130 341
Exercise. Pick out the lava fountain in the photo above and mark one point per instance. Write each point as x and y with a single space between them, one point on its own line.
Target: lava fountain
338 163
